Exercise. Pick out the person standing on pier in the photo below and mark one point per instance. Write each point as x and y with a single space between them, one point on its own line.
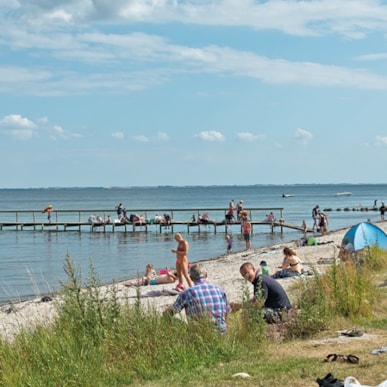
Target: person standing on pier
230 213
48 210
120 211
239 210
182 261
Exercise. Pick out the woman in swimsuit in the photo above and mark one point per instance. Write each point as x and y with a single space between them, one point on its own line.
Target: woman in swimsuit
291 265
182 261
168 278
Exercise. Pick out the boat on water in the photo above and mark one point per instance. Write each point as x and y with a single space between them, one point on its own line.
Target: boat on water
287 195
343 194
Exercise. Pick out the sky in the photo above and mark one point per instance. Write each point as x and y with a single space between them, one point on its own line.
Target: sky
101 93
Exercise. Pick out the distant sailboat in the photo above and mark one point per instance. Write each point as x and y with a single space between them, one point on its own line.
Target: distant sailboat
343 194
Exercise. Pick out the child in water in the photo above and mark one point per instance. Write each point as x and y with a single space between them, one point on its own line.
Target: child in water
229 244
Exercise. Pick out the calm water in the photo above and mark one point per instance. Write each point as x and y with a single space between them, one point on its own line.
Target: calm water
32 261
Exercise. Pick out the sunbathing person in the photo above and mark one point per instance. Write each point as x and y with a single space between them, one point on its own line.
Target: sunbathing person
168 278
291 265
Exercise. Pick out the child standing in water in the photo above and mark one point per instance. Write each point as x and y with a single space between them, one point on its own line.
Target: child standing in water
229 244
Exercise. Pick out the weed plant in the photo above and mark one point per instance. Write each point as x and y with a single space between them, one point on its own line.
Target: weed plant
97 340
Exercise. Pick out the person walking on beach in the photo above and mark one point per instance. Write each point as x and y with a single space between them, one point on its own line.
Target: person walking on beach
323 222
246 230
382 210
182 261
203 300
268 293
304 227
315 216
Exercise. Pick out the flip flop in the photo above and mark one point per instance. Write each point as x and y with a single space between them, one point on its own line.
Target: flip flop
337 357
331 357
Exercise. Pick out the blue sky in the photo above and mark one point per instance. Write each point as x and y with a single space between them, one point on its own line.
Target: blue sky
194 92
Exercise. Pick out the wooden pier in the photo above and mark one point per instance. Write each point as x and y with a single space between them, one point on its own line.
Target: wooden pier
78 220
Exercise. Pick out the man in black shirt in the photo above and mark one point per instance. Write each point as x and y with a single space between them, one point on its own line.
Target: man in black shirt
269 290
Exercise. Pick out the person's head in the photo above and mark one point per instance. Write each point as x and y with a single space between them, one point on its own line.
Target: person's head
248 271
288 252
178 237
263 263
197 271
228 237
149 267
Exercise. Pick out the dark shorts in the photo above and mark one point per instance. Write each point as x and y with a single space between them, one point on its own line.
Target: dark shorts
246 237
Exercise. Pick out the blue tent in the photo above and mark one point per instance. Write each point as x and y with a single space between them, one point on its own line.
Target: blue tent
366 235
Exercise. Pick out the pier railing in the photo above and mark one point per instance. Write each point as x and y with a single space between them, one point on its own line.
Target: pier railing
62 220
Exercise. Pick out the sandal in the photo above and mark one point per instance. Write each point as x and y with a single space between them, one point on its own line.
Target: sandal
349 359
180 288
352 359
352 333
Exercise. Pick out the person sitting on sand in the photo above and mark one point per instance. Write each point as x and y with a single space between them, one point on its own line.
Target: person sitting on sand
291 265
345 250
168 278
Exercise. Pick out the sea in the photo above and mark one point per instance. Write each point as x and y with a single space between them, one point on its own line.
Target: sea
32 261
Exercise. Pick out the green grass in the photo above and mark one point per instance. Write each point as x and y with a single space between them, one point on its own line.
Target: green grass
96 341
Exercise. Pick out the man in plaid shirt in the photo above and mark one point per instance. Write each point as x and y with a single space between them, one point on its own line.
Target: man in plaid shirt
203 300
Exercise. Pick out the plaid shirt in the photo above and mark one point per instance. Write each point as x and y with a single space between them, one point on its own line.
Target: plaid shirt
204 299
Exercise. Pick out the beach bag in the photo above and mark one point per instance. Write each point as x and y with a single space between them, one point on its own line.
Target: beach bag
350 381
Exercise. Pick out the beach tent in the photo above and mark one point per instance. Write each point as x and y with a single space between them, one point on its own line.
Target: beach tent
366 235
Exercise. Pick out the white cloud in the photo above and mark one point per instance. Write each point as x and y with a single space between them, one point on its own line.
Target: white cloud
17 121
18 127
351 18
381 141
303 136
58 132
246 136
211 135
118 135
141 138
162 136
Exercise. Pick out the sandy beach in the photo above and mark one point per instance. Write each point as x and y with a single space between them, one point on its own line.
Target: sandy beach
223 271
